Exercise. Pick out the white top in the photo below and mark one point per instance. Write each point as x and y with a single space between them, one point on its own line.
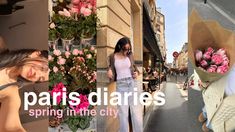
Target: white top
230 88
122 67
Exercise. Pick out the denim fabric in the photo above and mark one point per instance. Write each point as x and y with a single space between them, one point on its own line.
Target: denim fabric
208 124
125 86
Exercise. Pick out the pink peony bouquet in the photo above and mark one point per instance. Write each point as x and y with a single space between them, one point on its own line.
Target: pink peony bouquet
212 60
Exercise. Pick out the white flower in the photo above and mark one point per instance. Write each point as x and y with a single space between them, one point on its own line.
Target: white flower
52 25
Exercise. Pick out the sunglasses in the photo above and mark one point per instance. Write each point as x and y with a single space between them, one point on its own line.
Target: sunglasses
126 49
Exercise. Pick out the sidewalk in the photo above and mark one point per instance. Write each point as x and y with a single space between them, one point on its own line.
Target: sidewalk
174 112
184 93
152 107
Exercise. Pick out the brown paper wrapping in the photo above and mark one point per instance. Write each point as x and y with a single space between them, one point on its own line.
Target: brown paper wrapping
205 33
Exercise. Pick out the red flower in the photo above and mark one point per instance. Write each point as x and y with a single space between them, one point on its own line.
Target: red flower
83 105
58 88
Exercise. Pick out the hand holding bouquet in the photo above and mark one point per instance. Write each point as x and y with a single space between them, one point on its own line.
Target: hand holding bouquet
211 60
211 48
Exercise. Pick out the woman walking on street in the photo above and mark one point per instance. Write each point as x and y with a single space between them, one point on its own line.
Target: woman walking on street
122 70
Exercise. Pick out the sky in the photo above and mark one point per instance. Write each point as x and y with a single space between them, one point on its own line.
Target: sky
176 24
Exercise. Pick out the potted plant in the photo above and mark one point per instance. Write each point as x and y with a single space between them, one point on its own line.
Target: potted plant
66 27
87 28
87 19
53 36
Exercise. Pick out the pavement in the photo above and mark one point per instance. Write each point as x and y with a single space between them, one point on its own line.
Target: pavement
222 11
173 115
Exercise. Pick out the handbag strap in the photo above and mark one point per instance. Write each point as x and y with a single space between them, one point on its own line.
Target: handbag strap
19 84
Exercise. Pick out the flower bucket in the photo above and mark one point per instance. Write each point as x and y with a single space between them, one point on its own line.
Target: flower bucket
87 41
67 44
53 44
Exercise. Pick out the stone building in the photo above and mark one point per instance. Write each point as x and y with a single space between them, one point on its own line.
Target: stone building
154 49
182 60
161 33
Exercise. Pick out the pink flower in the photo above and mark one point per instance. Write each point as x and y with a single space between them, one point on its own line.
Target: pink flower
85 11
89 6
75 52
217 59
204 63
65 12
83 105
50 58
57 52
52 25
212 68
222 69
81 59
58 88
221 51
75 1
89 56
225 60
80 52
210 50
75 9
198 55
67 54
92 48
55 69
207 56
61 61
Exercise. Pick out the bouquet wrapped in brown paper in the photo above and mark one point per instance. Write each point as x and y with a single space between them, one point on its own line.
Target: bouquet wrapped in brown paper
206 36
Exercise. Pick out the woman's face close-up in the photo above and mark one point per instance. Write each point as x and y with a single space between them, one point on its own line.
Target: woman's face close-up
35 71
126 48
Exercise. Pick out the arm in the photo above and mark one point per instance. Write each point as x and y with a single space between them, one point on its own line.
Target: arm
9 111
224 114
109 69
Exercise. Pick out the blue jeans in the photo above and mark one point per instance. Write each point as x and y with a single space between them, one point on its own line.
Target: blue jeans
208 125
127 85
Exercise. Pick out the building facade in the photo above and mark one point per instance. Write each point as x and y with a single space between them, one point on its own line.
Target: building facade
161 33
181 61
154 47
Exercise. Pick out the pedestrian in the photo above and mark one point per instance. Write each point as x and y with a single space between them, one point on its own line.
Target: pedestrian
121 68
17 68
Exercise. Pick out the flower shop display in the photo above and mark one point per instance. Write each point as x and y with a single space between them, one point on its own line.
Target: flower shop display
76 72
76 20
211 48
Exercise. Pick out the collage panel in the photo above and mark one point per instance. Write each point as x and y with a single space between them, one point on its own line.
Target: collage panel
211 65
119 65
165 65
23 64
72 31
